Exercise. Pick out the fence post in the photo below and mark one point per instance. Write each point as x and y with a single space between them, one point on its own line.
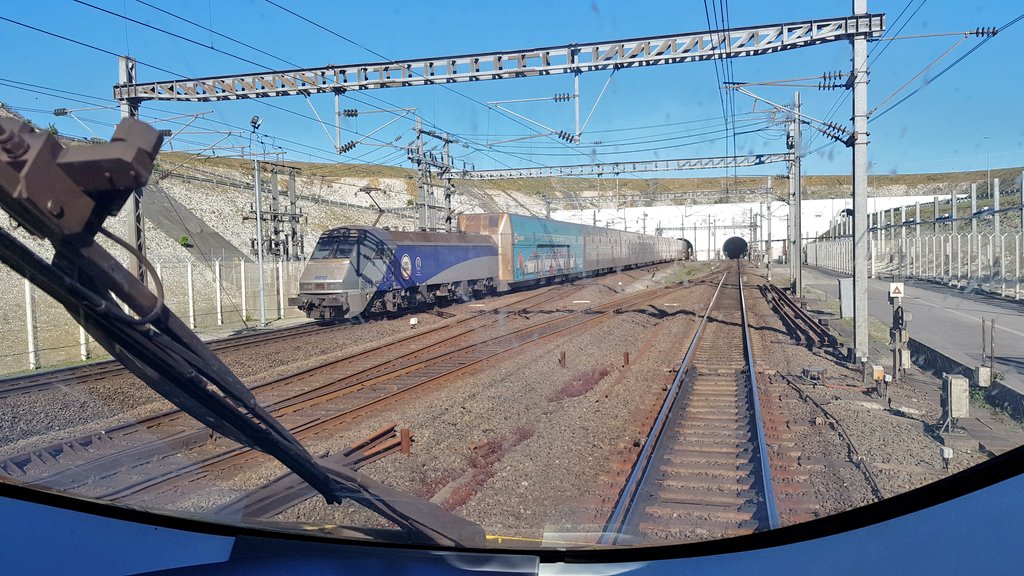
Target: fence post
970 256
83 343
871 252
1016 265
960 254
280 289
191 298
991 261
1002 265
216 280
245 310
30 327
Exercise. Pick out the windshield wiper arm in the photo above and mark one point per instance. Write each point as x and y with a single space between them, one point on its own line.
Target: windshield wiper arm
65 196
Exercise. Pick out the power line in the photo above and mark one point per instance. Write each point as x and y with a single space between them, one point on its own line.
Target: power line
951 65
449 88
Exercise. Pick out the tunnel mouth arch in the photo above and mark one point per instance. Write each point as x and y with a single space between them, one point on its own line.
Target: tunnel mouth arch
734 248
688 251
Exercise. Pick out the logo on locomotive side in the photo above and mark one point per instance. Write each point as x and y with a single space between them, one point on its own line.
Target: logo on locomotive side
419 265
406 266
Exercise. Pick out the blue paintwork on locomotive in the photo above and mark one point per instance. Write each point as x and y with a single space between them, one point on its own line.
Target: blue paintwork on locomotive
417 264
544 248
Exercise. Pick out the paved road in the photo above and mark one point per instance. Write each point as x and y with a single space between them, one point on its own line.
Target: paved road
947 320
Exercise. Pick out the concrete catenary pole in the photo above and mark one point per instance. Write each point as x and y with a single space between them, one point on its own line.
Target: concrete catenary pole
798 281
275 211
860 185
259 238
296 248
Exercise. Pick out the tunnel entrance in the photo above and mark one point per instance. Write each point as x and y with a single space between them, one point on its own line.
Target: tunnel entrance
688 252
734 248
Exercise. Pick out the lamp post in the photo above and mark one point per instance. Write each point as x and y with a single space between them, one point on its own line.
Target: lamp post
255 123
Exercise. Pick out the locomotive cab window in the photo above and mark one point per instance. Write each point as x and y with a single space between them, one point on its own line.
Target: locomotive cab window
333 247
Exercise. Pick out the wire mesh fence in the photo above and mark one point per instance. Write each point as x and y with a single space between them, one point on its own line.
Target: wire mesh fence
978 261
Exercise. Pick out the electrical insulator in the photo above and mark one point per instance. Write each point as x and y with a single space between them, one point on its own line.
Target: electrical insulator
345 149
560 97
60 112
985 32
166 133
566 136
350 112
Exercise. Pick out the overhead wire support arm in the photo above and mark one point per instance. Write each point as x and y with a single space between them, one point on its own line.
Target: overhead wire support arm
565 59
612 168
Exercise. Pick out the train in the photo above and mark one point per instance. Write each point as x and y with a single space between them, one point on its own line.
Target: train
363 270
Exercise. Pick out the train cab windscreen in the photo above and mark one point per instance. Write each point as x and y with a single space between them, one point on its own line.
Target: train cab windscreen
333 247
474 332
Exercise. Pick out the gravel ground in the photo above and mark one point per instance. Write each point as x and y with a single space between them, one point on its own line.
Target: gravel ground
552 431
898 445
40 419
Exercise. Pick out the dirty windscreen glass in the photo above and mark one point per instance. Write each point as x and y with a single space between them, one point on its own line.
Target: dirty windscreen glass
649 344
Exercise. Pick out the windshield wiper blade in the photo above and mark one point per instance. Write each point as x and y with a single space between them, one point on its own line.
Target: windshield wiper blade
65 195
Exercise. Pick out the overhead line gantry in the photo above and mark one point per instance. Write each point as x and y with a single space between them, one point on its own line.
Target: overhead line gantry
565 59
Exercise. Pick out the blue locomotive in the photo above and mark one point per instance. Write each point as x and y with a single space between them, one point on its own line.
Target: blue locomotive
360 269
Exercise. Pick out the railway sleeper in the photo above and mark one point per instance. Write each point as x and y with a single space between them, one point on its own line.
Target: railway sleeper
676 496
735 470
709 483
744 512
708 457
707 529
726 439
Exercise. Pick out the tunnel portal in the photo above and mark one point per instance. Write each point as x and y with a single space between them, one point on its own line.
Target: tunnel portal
734 248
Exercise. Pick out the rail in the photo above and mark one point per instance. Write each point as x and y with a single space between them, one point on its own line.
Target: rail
766 471
630 511
621 513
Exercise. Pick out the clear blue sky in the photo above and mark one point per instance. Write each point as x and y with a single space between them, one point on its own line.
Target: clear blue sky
659 112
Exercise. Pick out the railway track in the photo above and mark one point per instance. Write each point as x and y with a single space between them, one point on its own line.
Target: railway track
144 463
82 374
703 472
800 325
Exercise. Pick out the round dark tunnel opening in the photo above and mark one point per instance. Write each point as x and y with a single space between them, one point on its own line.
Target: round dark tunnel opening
688 252
734 248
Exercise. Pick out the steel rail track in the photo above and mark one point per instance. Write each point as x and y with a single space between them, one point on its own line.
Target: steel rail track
81 374
71 465
799 324
76 449
368 395
84 373
705 461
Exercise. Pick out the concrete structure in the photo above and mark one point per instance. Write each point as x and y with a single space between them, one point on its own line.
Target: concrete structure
729 219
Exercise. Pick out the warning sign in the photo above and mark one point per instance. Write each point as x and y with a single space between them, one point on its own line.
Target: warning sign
895 289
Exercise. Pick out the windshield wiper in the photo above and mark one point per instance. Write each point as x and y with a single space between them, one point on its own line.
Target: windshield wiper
65 196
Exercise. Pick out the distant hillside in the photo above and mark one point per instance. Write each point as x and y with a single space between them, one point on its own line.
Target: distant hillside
209 199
